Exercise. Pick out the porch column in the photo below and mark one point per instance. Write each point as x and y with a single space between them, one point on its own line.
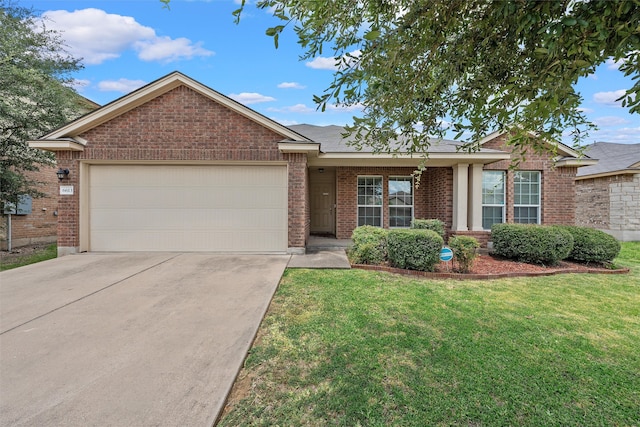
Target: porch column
475 198
460 196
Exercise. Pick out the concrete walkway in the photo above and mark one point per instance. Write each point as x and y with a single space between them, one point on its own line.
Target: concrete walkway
323 252
128 339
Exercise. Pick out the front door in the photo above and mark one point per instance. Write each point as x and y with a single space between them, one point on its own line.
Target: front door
322 188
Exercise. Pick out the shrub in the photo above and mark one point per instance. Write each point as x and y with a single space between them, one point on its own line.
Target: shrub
414 249
369 245
465 250
591 245
429 224
534 244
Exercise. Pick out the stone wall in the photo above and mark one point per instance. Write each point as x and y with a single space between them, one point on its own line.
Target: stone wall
611 204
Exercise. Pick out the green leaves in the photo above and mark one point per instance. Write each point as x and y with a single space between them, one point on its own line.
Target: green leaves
481 65
275 33
372 35
34 96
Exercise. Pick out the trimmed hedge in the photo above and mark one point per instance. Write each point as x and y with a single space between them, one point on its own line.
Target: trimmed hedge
465 251
414 249
429 224
369 245
535 244
591 245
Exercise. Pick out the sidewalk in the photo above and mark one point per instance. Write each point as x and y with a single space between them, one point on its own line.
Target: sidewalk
323 252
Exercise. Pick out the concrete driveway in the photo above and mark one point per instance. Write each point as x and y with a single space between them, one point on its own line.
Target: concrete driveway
128 339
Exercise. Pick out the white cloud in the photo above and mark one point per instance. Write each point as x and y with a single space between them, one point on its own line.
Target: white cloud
322 63
614 65
610 121
291 85
97 36
609 98
627 135
250 98
285 122
586 110
121 85
298 108
167 49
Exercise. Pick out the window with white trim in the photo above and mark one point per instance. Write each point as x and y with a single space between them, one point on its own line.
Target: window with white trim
400 201
370 200
493 198
526 197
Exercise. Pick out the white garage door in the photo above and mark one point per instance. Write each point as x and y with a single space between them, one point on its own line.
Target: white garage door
187 208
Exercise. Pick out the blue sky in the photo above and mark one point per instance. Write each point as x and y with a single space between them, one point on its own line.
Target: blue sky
126 44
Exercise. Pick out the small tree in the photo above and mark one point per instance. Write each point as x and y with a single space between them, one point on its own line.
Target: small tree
465 251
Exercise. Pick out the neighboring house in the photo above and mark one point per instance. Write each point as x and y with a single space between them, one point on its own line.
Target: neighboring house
176 166
608 193
40 224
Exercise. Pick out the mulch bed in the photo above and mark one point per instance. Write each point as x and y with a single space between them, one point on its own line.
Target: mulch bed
487 267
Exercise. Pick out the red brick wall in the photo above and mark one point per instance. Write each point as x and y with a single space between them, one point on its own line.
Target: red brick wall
181 125
299 214
40 225
558 198
439 195
347 196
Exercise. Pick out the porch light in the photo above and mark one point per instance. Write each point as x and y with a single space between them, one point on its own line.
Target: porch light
62 174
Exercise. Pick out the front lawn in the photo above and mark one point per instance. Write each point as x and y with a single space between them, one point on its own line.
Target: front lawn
363 348
31 255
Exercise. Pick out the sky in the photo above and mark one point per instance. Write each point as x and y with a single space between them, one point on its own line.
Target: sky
127 44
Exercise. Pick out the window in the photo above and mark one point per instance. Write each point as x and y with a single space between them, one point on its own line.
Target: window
370 200
492 198
400 201
526 197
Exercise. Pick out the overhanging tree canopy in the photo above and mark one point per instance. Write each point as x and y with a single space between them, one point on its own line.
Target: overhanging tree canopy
480 65
34 96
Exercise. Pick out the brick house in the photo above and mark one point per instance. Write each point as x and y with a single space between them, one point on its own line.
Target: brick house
176 166
608 193
40 225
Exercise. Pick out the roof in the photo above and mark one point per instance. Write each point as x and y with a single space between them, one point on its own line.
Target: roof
331 139
614 159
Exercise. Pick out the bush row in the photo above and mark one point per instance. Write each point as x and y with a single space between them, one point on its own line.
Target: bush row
413 249
541 244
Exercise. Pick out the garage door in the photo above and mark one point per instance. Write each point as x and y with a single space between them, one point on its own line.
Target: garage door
188 208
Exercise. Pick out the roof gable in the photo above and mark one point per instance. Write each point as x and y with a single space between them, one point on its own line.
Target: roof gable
562 149
153 90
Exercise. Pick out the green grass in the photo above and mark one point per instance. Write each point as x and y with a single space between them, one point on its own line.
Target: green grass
47 253
356 348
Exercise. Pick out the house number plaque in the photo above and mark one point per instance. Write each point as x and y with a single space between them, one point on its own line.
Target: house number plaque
66 190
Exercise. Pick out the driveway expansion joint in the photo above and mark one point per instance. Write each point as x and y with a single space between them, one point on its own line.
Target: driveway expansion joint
88 295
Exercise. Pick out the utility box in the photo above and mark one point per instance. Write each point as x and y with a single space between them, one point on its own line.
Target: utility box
23 208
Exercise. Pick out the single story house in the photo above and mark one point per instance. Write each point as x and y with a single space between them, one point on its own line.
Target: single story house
608 193
177 166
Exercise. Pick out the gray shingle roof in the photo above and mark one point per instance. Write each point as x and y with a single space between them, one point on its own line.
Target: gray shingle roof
332 141
611 158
